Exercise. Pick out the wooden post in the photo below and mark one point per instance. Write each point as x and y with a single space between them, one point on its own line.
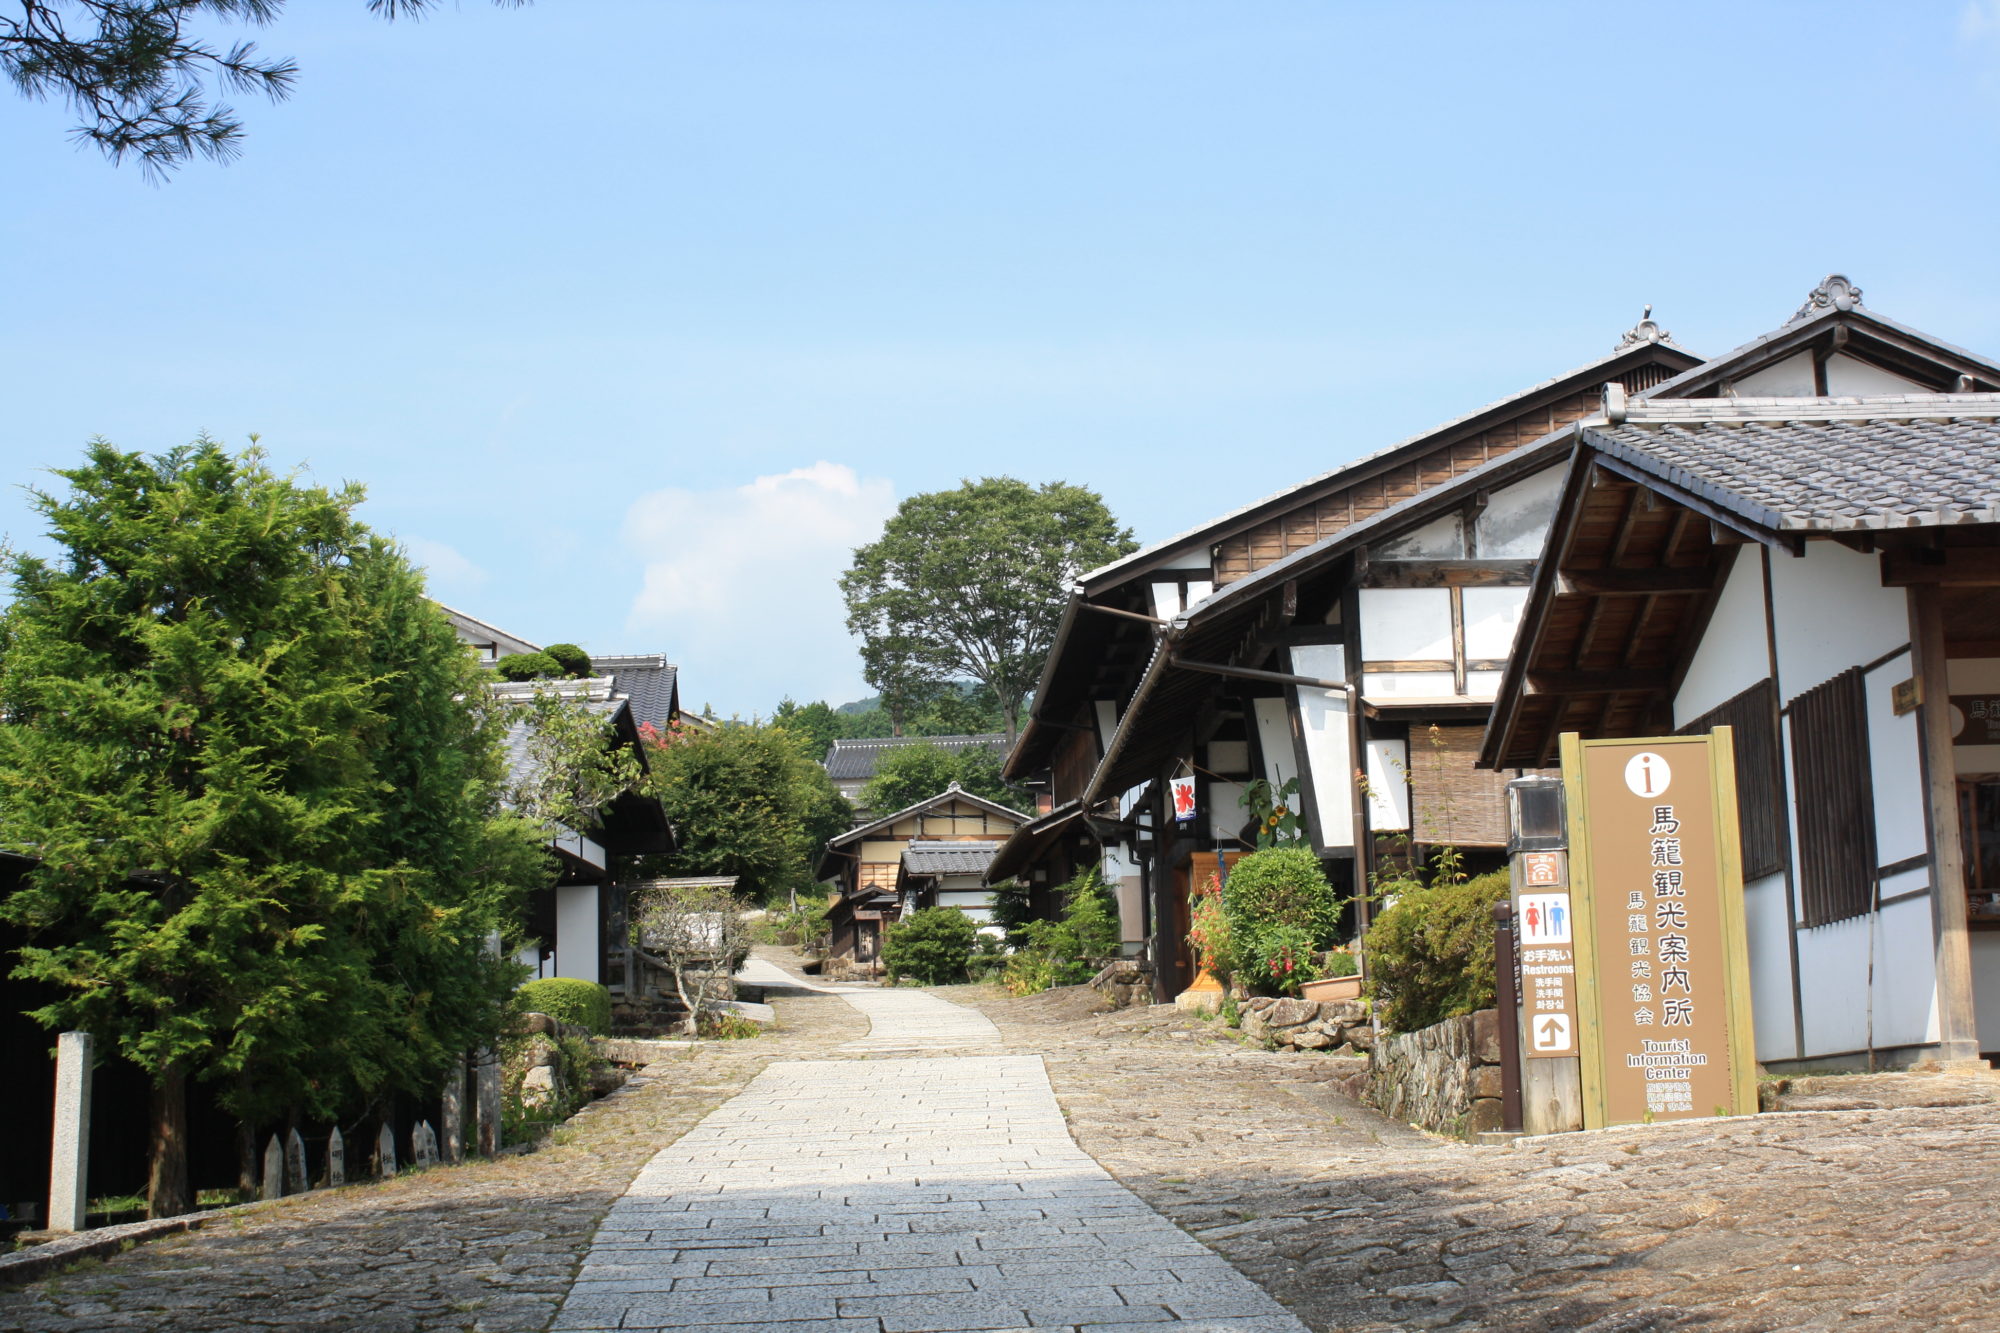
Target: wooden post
452 1114
1507 986
69 1159
274 1169
1957 1029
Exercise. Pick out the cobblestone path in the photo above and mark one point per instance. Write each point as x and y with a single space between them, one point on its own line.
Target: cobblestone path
899 1196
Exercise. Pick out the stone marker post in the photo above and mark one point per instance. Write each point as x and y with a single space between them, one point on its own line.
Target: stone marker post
274 1169
423 1144
385 1152
336 1158
486 1077
296 1179
451 1143
69 1162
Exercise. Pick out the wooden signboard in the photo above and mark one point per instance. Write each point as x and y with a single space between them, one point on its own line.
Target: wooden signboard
1656 884
1545 923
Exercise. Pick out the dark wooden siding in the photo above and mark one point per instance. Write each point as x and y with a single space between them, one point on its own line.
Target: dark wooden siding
1835 799
1760 774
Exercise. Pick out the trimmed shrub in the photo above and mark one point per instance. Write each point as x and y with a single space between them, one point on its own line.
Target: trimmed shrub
528 666
570 659
1280 911
1430 952
929 947
569 1000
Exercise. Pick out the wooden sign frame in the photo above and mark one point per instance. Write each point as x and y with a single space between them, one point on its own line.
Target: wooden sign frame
1716 752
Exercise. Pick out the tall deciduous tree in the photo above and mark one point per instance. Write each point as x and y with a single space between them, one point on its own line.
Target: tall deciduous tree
140 78
745 800
971 583
254 767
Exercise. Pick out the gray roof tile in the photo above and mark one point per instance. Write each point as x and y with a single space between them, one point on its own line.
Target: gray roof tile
949 858
1828 466
647 679
848 759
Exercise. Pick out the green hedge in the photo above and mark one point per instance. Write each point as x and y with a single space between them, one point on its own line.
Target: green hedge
1281 913
569 1000
1430 953
929 947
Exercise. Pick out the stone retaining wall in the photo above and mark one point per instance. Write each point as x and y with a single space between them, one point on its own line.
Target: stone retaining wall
1341 1027
1445 1078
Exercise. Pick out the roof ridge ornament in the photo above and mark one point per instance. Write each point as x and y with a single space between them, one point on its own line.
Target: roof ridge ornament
1834 293
1645 331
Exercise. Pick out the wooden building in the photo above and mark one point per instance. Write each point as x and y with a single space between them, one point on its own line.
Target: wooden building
1359 620
870 886
1801 539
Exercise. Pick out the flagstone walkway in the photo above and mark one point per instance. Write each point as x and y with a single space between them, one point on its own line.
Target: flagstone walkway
912 1195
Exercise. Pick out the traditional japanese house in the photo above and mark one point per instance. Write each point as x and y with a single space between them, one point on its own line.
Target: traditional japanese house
1801 540
864 868
947 874
579 927
1356 621
852 763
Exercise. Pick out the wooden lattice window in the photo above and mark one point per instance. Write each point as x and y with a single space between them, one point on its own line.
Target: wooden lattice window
1835 799
1760 774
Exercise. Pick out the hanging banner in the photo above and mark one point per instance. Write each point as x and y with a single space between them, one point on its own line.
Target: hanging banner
1662 966
1182 792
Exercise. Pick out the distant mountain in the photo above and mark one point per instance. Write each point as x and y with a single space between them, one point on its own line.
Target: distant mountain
868 705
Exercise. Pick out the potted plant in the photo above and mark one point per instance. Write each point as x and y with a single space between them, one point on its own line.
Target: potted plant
1340 978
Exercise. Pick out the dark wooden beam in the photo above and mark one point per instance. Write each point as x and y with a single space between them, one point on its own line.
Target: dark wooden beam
1451 574
1950 567
1634 582
1633 680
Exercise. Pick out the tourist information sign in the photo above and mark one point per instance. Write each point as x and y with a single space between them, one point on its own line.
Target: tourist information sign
1656 896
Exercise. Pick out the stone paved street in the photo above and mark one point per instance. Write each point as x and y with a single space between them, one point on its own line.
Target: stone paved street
899 1196
1839 1220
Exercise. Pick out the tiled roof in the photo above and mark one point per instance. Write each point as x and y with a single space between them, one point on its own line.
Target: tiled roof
847 760
1830 464
647 679
949 858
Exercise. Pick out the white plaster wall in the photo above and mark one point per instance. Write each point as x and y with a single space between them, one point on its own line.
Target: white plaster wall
1482 684
1896 768
576 931
1849 377
1734 653
1199 590
1492 615
1515 523
1770 946
1166 600
1228 757
1107 722
1833 981
1409 684
1226 814
1439 539
1388 785
1986 987
1274 738
1405 624
1323 720
1790 378
1974 675
976 904
1832 613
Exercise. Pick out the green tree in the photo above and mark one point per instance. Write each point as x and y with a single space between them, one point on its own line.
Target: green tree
255 767
816 725
142 83
911 773
929 946
972 582
745 800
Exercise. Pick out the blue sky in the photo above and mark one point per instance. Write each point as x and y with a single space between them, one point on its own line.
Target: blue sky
636 317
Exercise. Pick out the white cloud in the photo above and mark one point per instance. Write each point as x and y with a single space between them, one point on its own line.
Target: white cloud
741 585
448 573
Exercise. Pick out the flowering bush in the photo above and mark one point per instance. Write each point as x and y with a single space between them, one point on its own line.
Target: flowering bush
1209 934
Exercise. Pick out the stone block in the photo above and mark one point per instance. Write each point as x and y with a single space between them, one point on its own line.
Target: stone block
296 1179
385 1153
1255 1027
1485 1117
1311 1041
1344 1012
1487 1081
1486 1036
69 1163
1361 1037
336 1158
1290 1013
1259 1004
